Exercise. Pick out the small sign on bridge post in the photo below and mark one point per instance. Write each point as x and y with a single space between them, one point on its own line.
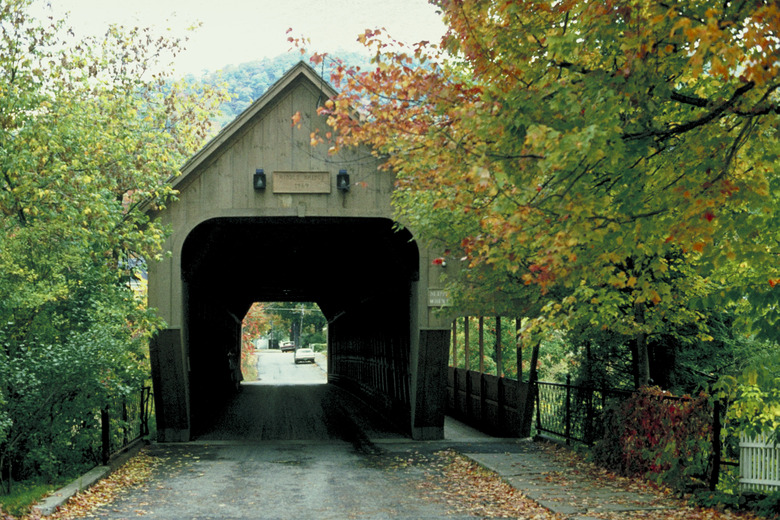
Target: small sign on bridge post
439 298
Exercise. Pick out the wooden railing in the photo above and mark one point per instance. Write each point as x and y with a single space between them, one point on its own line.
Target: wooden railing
506 359
485 381
494 405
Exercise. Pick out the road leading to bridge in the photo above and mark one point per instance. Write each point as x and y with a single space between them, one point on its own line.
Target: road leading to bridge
278 368
288 446
278 480
293 402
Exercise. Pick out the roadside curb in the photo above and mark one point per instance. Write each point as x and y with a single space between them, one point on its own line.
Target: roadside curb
54 501
57 499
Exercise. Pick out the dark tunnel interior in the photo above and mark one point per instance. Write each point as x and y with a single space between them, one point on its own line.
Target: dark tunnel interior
358 270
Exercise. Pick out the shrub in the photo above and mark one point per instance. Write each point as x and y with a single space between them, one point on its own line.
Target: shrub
754 398
318 347
662 437
57 394
769 506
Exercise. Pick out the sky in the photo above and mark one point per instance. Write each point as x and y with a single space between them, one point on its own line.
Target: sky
238 31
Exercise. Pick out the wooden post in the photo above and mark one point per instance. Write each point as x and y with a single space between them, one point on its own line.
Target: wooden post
519 350
481 345
469 392
466 341
533 392
482 411
499 359
567 425
144 427
105 434
455 343
716 453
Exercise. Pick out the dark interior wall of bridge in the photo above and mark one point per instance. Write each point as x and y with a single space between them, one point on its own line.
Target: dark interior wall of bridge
369 351
358 270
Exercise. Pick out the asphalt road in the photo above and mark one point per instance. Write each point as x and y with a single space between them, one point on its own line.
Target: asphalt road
279 368
288 447
302 480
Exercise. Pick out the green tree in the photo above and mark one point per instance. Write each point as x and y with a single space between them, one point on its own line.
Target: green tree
303 321
248 81
610 165
90 131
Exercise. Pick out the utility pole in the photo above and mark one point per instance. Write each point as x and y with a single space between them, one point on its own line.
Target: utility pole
300 329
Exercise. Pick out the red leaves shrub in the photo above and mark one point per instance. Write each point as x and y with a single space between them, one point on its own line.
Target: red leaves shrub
664 438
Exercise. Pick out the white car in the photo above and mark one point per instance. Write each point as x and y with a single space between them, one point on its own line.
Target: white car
304 355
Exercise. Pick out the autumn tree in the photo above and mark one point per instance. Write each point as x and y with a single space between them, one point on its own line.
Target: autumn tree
254 325
605 164
89 131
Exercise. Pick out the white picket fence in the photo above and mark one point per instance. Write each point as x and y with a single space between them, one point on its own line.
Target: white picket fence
759 463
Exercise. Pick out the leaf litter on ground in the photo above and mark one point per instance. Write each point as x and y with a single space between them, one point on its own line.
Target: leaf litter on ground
134 472
574 465
467 488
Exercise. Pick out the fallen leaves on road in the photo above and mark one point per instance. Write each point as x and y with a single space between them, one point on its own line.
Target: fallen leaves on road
469 488
133 473
573 466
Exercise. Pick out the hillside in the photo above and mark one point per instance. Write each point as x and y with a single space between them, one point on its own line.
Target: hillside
248 81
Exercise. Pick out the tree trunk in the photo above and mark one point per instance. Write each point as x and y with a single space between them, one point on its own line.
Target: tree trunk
642 357
6 482
588 372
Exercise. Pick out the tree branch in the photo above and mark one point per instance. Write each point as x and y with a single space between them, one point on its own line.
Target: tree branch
689 100
690 125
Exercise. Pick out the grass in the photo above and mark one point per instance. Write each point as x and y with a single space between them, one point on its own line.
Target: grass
23 495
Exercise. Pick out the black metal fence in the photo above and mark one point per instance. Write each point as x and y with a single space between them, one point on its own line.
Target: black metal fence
125 422
573 412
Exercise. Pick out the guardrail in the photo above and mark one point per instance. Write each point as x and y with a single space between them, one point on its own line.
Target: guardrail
125 423
504 406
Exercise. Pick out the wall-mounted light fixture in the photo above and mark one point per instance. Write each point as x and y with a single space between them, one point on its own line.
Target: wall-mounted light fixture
259 180
342 181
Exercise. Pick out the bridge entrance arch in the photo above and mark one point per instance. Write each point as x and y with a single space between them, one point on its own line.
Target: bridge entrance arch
262 216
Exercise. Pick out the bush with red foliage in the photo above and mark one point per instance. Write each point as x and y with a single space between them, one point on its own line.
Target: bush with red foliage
664 438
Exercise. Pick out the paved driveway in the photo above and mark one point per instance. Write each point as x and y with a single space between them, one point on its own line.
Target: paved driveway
277 480
288 446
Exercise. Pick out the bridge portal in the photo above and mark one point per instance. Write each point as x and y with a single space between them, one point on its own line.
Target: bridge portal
263 216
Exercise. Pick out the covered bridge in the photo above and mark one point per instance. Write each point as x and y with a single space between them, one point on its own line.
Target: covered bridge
263 216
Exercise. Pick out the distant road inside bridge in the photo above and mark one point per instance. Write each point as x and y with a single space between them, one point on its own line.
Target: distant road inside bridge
294 402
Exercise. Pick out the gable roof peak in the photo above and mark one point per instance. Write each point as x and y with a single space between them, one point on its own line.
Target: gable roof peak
300 69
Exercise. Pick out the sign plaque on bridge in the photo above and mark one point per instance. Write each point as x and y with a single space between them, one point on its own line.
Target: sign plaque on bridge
438 298
301 182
